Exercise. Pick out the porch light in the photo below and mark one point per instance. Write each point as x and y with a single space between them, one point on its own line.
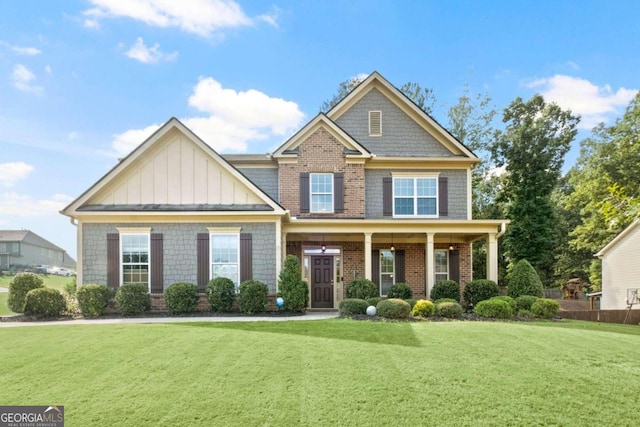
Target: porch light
451 243
392 247
323 248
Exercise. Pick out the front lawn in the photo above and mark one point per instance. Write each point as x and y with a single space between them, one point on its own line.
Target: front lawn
324 373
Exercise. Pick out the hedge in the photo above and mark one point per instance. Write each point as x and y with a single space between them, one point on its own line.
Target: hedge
44 302
21 284
93 300
181 298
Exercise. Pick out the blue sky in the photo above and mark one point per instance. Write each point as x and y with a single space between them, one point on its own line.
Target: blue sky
83 82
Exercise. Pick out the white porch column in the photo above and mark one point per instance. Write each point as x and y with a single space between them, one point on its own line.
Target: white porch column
281 242
492 257
367 256
430 262
79 255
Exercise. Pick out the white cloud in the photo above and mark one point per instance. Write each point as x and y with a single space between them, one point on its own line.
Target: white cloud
149 55
92 24
47 69
12 172
126 141
594 103
21 50
26 206
23 79
201 17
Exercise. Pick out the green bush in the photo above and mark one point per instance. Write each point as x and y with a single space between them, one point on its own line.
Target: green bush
394 308
181 298
449 309
362 289
512 303
70 288
93 300
438 301
494 308
446 289
351 306
480 290
400 290
252 297
524 302
44 302
374 301
293 290
411 301
133 299
21 284
545 307
221 293
423 308
524 280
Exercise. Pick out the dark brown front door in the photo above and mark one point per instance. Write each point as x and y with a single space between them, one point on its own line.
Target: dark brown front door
322 282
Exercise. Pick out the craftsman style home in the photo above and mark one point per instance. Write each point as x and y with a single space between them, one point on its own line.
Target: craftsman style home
374 188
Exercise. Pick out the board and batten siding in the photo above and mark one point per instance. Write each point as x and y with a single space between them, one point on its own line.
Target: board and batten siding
621 270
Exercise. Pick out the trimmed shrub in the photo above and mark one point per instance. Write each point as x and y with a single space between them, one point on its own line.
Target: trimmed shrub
394 308
445 289
252 298
494 308
411 301
93 300
438 301
351 306
374 301
400 290
545 307
524 302
292 288
449 309
362 289
480 290
423 308
133 299
221 293
71 288
524 280
181 298
21 284
512 303
44 302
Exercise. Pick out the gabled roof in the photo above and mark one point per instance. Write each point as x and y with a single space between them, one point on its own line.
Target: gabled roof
352 147
375 80
618 238
27 236
173 124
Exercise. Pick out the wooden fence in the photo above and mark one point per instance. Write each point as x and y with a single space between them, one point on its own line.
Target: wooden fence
607 316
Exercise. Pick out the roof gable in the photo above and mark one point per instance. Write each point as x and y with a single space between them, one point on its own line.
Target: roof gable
619 238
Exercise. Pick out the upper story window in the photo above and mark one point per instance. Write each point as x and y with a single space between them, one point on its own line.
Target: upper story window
375 123
225 256
134 263
321 192
415 197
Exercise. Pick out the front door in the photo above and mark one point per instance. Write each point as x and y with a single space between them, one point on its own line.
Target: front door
322 282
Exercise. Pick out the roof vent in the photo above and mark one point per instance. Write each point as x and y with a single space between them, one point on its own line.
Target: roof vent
375 123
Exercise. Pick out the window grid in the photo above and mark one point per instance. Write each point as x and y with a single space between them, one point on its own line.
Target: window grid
442 265
387 270
225 257
134 250
321 192
415 197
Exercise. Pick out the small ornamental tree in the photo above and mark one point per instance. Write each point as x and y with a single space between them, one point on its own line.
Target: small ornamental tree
293 290
524 280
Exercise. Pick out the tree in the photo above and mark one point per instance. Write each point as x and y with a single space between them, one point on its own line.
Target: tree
422 97
343 90
532 149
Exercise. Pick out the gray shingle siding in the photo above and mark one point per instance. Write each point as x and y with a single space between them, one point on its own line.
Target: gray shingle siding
457 181
401 135
180 250
265 178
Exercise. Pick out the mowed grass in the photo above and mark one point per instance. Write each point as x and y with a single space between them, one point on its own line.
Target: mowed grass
50 281
325 373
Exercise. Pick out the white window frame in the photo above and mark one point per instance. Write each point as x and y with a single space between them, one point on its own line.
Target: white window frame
393 273
123 235
415 196
312 193
215 232
371 133
435 272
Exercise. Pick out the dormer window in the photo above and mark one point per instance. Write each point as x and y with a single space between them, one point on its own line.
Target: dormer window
375 123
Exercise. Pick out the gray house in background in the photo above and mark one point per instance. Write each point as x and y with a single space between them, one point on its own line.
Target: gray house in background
24 248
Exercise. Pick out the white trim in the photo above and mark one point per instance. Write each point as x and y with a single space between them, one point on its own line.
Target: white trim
134 230
121 256
379 130
332 193
379 272
618 238
435 257
224 230
415 174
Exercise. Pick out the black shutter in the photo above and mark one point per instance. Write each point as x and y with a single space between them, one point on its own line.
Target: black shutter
203 261
454 265
304 192
443 196
113 260
157 264
400 276
338 192
375 267
246 257
387 196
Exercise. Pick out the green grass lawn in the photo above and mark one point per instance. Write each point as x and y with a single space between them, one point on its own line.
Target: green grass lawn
326 373
50 281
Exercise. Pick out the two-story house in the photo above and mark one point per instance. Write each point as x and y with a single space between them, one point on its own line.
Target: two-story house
374 188
24 249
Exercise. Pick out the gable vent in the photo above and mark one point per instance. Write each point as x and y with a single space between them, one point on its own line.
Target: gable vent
375 123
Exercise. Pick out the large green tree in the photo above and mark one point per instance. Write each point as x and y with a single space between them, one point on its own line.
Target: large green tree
532 148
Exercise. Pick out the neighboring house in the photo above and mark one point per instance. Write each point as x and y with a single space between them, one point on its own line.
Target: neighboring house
620 268
21 249
374 188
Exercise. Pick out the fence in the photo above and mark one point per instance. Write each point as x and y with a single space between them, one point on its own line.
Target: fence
606 316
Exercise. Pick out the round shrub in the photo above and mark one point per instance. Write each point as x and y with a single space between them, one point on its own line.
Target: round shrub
512 303
449 309
524 280
292 288
374 301
351 306
524 302
93 300
181 298
480 290
494 308
545 307
394 308
423 308
438 301
21 284
362 289
252 298
445 289
411 301
400 290
44 302
133 299
221 293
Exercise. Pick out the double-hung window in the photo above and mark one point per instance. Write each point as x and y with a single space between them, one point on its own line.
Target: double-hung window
321 192
225 256
415 196
134 250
